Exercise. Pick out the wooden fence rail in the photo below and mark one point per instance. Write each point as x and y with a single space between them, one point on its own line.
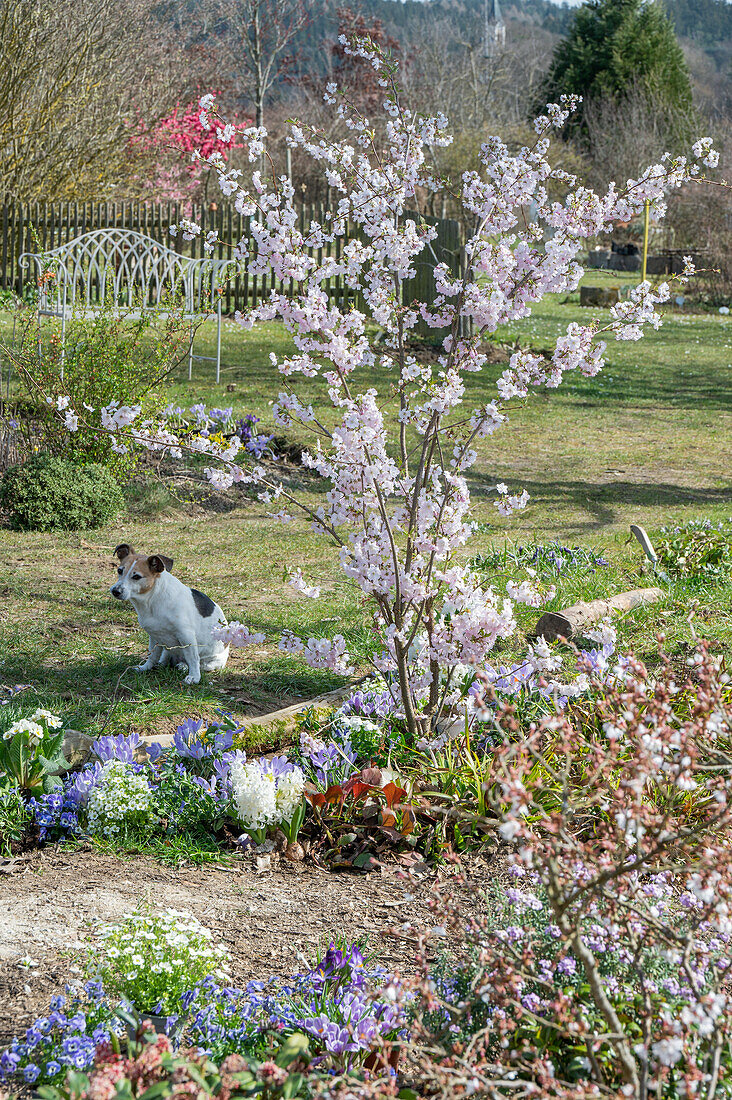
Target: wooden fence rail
39 227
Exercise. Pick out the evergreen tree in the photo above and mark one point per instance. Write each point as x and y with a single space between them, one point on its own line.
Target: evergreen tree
615 46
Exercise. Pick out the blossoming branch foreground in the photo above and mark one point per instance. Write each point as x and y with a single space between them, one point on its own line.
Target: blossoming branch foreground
399 506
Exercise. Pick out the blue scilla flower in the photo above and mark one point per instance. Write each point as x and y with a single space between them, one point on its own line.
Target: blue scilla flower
31 1072
33 1037
9 1062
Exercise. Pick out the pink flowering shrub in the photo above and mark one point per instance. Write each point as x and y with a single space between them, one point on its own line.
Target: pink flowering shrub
602 967
398 505
177 145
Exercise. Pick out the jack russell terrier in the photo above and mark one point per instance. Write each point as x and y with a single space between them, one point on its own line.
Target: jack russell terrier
178 619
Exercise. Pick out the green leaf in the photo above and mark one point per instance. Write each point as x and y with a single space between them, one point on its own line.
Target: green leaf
293 1086
76 1083
295 1046
162 1088
195 1074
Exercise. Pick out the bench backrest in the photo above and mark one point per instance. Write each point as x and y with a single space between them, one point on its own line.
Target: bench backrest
124 266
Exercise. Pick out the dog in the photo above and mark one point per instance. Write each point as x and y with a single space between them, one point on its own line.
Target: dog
178 619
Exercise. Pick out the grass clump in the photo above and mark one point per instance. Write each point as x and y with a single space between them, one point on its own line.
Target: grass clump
700 550
49 493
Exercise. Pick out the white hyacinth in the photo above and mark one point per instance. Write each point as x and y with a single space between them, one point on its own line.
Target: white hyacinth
261 799
255 795
290 789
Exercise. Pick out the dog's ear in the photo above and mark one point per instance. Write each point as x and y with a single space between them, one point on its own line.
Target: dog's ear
123 550
158 563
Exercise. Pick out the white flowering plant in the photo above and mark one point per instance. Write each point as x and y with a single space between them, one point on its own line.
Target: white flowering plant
268 795
150 960
119 800
31 752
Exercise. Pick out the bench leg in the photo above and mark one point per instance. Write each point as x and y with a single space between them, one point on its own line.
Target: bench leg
190 356
218 345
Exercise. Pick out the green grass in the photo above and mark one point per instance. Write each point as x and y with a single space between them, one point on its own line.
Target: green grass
648 441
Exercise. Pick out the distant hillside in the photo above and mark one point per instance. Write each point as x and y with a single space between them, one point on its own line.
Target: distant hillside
708 22
704 27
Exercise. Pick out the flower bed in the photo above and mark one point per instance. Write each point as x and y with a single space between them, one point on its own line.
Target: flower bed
357 788
165 967
604 963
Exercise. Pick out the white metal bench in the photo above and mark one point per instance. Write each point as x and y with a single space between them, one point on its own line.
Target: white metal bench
137 273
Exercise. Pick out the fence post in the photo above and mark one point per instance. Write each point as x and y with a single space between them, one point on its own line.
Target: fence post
4 273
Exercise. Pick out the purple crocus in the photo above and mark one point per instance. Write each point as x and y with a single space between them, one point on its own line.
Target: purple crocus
120 747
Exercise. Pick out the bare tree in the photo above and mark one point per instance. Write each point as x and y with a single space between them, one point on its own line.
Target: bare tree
623 135
258 35
74 78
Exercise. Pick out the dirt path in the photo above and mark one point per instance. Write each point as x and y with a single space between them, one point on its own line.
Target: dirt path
49 903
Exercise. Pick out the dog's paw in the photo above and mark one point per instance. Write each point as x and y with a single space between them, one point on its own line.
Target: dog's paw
141 668
181 666
191 679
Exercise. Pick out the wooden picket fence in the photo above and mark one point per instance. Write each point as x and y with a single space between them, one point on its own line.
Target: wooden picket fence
39 227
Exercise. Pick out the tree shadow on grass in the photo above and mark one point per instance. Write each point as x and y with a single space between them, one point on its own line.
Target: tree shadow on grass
108 691
600 500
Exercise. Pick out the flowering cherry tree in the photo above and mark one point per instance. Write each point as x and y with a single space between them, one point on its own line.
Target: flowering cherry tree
398 505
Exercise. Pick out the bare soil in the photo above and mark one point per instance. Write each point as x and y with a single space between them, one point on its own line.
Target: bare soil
268 917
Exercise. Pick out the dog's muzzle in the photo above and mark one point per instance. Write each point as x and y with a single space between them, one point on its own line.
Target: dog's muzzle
117 592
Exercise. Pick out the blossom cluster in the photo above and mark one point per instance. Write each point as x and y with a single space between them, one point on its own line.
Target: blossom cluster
326 762
344 1003
33 729
534 674
66 1038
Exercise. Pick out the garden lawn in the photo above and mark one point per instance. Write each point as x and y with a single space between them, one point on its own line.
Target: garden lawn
648 441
